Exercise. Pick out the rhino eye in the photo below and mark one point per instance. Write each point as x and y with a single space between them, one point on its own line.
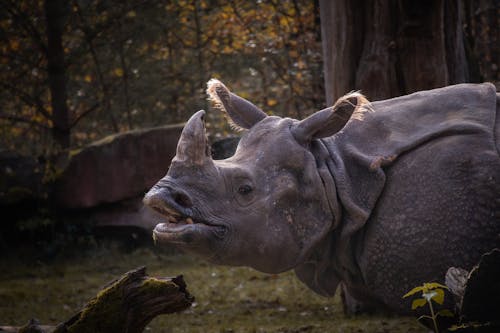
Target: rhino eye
244 189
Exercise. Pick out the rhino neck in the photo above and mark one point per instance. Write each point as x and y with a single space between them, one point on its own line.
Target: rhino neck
334 258
325 166
318 272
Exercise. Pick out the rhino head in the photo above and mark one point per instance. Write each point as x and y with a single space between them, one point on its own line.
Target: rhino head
264 207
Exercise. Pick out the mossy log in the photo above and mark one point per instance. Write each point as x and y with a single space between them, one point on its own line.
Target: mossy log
127 304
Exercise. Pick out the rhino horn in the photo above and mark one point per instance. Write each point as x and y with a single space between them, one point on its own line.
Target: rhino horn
329 121
193 145
242 113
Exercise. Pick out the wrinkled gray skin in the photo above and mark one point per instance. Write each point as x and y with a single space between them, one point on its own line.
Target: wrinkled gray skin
378 198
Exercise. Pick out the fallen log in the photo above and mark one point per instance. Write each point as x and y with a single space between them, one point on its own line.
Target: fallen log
127 304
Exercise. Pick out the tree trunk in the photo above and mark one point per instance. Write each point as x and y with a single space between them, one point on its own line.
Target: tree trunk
342 36
55 16
482 30
391 48
126 305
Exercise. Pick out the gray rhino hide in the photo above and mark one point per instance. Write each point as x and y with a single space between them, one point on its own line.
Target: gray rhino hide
362 149
358 157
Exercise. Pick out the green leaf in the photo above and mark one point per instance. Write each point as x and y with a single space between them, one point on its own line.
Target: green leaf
414 291
445 313
418 303
439 296
434 285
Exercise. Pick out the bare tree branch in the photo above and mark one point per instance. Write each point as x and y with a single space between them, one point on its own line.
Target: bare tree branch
83 114
28 99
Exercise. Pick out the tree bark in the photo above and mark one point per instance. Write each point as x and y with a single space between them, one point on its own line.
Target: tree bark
391 48
126 305
342 36
55 16
482 34
378 57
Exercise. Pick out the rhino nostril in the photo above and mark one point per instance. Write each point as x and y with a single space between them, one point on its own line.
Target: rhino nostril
182 200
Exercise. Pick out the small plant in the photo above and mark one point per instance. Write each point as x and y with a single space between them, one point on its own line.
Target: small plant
431 292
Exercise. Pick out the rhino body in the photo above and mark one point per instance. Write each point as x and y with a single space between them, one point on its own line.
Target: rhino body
378 198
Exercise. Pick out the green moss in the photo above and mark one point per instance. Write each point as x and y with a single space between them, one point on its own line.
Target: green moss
156 286
74 152
102 314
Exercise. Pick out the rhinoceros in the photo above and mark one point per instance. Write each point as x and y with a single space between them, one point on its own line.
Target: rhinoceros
377 198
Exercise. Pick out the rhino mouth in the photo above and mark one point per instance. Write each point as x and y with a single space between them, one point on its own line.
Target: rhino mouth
181 229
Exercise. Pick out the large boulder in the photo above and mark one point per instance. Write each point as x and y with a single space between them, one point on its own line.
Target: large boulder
129 213
118 167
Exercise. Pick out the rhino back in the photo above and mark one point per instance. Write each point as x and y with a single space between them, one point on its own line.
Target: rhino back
418 180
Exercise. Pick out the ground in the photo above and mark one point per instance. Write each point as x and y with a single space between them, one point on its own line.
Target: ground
228 299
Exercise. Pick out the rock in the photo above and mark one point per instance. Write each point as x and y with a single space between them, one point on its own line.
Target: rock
478 293
455 280
481 300
126 213
115 168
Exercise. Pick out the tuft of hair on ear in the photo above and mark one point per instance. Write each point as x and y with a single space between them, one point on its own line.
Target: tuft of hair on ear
357 100
220 97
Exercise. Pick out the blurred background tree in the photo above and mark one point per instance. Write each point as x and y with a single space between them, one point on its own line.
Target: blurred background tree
75 71
393 48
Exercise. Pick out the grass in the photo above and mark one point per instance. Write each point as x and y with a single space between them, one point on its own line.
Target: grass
228 299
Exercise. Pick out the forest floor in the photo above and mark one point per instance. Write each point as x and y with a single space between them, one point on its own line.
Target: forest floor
228 299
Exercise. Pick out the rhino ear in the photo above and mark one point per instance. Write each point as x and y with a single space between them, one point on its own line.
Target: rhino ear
242 113
329 121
